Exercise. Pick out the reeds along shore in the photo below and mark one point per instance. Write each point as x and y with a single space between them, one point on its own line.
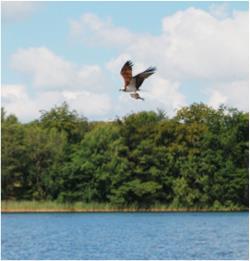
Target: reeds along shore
50 207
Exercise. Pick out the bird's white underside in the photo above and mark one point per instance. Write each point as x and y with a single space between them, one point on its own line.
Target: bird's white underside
131 86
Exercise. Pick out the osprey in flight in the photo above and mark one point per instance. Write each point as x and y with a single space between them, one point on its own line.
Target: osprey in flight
133 83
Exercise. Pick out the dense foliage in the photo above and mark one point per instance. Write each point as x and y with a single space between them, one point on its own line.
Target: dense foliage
199 158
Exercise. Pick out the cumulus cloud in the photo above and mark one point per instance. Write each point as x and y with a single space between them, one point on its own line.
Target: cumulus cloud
219 10
216 99
44 67
91 29
158 94
166 93
234 94
56 80
50 71
14 11
17 100
202 46
194 45
207 47
89 103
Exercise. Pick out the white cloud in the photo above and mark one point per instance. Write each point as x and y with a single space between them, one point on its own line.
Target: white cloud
219 10
88 103
166 93
11 92
200 46
235 94
158 94
14 11
17 100
217 99
50 71
43 66
56 80
91 29
115 64
195 45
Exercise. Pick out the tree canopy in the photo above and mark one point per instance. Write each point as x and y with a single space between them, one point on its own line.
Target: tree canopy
198 158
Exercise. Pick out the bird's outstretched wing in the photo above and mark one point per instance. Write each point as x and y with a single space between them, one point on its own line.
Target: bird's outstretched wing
139 78
126 72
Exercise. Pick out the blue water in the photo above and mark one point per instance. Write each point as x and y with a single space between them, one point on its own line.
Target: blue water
125 236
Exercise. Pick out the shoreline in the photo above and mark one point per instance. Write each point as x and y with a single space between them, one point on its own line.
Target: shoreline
9 206
117 210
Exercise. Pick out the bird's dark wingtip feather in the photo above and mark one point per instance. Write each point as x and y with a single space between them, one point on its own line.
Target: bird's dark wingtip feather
151 69
129 63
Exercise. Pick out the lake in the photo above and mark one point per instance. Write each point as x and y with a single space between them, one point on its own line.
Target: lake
176 235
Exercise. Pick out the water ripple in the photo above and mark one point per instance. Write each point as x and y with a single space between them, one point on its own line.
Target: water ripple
125 236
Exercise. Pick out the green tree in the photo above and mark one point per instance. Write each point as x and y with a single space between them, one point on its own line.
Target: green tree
65 120
199 158
45 148
13 157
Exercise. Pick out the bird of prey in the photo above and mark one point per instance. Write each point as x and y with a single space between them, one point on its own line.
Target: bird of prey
133 83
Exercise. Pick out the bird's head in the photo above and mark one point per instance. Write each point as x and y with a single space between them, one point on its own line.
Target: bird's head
122 90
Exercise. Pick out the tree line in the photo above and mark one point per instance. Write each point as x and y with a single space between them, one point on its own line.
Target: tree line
198 158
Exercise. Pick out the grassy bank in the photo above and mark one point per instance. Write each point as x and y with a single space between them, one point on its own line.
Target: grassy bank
52 206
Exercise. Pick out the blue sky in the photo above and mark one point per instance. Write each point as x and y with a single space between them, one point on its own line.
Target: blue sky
73 51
